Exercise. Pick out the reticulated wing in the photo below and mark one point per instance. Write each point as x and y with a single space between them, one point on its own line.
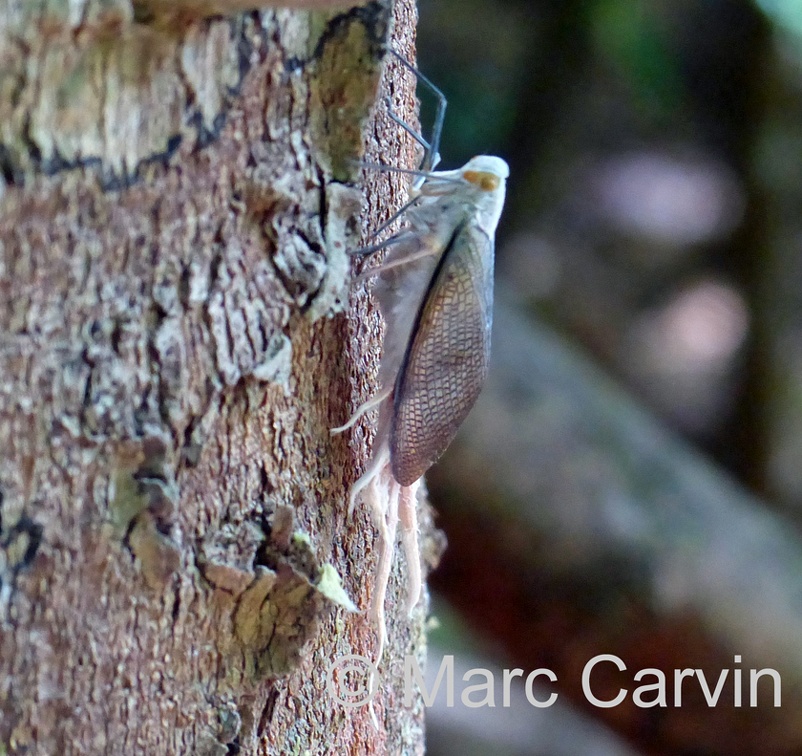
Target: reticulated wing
446 361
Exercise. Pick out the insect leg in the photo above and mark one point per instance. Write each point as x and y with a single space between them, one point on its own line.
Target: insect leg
386 523
408 516
381 459
412 257
394 217
404 125
369 250
432 156
362 409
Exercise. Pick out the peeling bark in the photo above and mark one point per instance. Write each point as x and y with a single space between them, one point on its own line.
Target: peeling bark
176 565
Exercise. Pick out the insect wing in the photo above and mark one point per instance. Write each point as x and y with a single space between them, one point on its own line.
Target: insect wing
446 361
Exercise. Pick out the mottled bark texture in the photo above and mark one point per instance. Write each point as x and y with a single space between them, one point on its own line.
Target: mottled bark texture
178 200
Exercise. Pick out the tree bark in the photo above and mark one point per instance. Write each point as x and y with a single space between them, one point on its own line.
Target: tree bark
179 197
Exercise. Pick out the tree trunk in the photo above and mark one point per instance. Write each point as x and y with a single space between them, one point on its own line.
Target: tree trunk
176 562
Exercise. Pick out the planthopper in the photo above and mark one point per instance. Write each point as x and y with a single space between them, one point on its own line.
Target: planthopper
435 292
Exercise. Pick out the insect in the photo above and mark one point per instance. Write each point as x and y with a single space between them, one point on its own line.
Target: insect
435 291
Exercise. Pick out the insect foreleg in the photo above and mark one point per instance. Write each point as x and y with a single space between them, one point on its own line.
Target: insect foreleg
432 157
414 134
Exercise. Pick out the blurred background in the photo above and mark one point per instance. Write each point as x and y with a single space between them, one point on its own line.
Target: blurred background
630 482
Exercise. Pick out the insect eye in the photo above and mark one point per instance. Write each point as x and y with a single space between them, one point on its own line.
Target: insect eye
487 182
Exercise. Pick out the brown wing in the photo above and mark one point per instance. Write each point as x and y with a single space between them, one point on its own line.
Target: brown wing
446 361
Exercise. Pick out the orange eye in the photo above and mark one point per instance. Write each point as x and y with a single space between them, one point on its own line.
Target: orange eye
487 182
